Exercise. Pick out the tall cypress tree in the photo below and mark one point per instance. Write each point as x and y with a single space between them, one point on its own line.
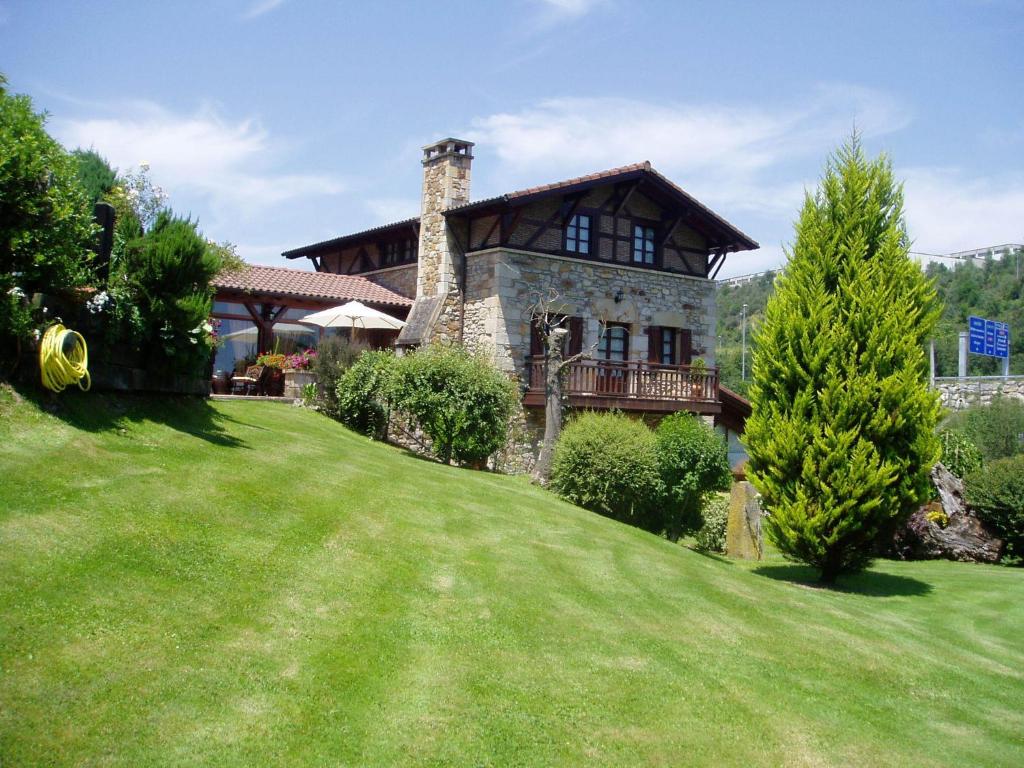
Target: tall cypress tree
842 434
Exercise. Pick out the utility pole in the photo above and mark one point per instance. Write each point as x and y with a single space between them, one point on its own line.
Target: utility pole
743 362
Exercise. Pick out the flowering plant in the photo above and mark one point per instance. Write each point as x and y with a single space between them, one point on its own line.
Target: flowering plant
271 360
300 361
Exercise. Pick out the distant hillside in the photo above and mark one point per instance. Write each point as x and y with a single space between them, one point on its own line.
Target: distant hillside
993 289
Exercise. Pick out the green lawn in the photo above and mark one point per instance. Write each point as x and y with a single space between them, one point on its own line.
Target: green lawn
189 583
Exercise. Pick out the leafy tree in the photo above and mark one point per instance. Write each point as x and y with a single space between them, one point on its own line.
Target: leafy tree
842 434
459 399
94 174
694 462
46 227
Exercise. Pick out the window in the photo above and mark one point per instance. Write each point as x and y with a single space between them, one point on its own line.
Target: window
573 344
577 234
668 346
401 252
614 343
643 244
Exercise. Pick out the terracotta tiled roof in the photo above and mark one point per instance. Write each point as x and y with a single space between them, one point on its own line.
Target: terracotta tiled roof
278 281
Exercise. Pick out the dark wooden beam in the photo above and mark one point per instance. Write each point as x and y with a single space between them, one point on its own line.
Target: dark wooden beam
720 261
494 226
542 228
626 193
509 222
668 231
570 204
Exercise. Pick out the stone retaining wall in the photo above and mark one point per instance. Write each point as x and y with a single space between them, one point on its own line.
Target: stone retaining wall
957 394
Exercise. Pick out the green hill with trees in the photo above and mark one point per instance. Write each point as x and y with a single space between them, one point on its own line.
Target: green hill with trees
993 289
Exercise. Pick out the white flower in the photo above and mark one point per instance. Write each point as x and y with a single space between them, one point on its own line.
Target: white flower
207 327
193 341
144 166
16 292
37 333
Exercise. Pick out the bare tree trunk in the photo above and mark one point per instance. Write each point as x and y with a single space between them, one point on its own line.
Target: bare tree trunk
553 365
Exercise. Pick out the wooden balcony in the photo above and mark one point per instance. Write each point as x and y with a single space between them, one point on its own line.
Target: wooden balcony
631 386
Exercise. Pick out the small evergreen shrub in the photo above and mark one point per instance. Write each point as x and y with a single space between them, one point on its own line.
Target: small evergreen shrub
694 462
608 463
715 516
959 453
335 354
459 399
167 273
997 429
362 391
996 493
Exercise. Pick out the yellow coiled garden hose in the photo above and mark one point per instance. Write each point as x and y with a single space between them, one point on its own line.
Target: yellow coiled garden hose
60 369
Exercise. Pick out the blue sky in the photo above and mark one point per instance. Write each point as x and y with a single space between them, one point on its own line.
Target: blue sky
282 122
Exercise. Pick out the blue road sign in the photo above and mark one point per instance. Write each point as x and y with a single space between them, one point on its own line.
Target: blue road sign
988 337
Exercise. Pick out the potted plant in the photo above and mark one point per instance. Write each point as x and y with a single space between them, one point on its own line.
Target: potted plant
297 373
274 364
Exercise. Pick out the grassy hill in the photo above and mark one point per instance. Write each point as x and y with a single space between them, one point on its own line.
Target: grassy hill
189 583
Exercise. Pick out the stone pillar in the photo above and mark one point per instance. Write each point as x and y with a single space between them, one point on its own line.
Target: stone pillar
743 537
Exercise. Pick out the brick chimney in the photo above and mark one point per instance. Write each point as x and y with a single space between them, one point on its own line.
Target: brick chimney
437 312
445 185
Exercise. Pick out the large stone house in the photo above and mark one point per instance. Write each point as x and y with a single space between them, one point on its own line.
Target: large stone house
626 255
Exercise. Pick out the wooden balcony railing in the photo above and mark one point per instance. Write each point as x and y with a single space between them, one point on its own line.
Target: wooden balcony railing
631 384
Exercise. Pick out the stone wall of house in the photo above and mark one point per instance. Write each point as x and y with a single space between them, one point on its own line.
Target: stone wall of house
502 287
957 394
401 280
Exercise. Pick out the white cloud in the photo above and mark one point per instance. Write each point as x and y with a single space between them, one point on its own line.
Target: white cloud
570 9
724 154
261 7
384 210
948 210
230 165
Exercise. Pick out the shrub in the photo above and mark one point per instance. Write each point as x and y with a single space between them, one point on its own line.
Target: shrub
694 462
715 516
997 429
362 393
608 463
167 274
46 226
959 453
996 493
459 399
335 355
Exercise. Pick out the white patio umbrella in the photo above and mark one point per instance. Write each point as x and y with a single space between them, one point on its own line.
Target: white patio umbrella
353 315
284 329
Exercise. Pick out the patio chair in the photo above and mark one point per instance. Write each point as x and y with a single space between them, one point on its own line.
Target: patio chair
247 383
